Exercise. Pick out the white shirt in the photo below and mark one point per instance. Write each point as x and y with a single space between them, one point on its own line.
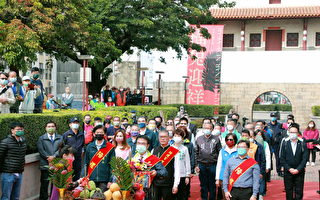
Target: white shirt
53 136
268 155
184 158
294 146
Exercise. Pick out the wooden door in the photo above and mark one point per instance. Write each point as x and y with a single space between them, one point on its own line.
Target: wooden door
273 40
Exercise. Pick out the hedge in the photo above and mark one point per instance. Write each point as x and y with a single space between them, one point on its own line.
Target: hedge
272 107
35 123
315 110
203 110
148 111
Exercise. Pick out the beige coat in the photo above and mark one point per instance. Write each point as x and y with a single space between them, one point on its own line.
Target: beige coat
9 96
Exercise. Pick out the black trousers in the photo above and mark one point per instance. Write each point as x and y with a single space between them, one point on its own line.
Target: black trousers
276 154
162 193
44 185
313 153
241 193
293 185
76 169
182 190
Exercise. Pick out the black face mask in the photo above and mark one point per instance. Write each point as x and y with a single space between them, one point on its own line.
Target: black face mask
88 121
99 137
158 124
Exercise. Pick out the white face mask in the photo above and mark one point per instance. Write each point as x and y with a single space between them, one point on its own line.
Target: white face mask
177 139
311 125
75 126
251 140
293 136
216 132
229 127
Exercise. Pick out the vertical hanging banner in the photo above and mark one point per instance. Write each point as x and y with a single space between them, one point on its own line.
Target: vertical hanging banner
204 72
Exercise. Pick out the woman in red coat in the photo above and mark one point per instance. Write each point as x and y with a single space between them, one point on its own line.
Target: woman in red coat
121 97
311 132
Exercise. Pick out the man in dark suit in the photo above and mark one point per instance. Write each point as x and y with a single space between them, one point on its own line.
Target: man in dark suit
293 157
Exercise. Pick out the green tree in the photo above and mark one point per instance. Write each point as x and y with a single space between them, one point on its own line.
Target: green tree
103 28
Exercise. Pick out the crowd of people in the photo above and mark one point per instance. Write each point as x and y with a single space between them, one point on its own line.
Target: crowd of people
114 96
233 161
26 94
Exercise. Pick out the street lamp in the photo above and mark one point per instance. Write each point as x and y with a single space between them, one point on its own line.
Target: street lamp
143 70
185 88
84 59
159 86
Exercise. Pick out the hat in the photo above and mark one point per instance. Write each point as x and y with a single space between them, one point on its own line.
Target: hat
90 96
133 111
273 114
74 119
26 78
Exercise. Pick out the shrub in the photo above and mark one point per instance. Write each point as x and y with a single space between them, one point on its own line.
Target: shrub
272 107
148 111
316 110
35 123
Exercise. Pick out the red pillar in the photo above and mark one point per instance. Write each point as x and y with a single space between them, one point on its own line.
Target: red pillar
304 38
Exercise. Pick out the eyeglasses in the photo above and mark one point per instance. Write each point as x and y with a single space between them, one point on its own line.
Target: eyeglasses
229 139
3 78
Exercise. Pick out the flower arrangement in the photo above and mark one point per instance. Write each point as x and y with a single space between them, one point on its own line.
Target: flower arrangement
139 165
59 174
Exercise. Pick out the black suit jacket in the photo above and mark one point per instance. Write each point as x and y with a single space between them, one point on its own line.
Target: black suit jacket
297 161
193 130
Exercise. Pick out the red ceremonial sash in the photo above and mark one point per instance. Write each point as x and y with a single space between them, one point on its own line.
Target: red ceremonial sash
98 157
152 160
238 171
168 155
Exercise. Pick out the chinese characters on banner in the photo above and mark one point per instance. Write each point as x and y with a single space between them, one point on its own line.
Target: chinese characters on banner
204 72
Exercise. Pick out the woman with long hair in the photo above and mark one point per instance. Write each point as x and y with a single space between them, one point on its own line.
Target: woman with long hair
123 150
311 133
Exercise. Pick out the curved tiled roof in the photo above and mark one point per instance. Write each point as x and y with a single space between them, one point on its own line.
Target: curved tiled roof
266 13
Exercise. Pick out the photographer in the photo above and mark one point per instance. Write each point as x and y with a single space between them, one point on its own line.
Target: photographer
31 92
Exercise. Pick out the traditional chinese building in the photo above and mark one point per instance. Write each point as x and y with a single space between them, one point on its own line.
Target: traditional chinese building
270 25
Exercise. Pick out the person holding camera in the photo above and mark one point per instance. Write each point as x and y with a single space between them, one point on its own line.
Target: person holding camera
6 94
31 92
35 79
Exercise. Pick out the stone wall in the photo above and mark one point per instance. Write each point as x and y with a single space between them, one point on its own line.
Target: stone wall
31 178
301 95
125 75
171 93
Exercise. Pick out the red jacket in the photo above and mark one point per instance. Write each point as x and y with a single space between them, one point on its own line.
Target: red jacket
310 134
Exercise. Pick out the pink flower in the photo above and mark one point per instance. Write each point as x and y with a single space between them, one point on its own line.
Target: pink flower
64 172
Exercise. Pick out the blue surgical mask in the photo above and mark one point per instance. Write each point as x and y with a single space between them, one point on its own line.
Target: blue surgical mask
207 132
142 125
273 119
241 151
3 82
134 133
141 148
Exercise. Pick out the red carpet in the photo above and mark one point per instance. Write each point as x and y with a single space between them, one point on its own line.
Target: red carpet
275 190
